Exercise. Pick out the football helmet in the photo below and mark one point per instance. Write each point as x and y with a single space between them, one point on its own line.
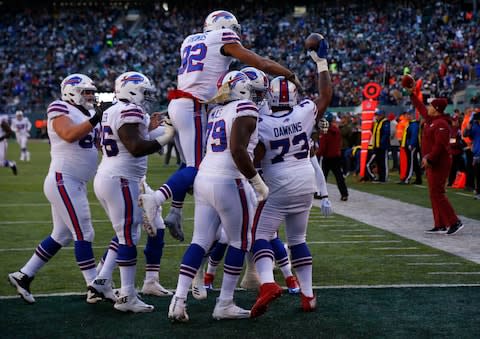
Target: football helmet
73 89
19 113
259 83
282 93
237 85
221 19
135 88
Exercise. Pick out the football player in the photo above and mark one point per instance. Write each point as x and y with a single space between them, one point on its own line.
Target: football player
285 160
204 58
21 126
72 132
125 145
5 133
223 195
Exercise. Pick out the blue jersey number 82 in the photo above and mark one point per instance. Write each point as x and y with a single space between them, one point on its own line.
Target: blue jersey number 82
192 57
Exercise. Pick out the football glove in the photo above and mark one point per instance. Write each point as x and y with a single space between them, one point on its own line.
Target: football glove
97 117
326 207
323 125
168 132
261 190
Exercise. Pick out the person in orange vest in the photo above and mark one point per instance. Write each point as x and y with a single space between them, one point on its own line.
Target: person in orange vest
468 151
410 144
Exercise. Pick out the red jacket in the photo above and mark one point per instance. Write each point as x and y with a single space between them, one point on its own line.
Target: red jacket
435 135
330 143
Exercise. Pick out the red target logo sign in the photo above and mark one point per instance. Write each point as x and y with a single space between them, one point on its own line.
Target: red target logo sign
372 90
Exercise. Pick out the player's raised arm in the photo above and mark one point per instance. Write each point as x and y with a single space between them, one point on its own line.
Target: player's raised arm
251 58
317 48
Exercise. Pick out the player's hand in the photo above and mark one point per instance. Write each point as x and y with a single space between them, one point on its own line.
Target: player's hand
326 207
323 125
321 52
294 78
261 190
97 117
168 132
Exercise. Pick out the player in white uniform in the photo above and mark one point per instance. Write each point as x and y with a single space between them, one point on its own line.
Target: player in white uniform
284 152
21 126
72 133
250 280
125 146
5 133
224 196
204 58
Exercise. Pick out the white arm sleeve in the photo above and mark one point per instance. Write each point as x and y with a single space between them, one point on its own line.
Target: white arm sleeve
319 177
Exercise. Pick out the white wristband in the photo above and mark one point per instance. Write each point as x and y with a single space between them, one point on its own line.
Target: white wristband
322 65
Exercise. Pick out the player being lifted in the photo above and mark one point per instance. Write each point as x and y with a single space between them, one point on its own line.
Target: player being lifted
285 160
204 58
72 133
223 195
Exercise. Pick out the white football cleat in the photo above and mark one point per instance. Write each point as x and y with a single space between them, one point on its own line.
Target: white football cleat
100 289
177 311
132 303
226 309
199 291
21 282
144 187
150 208
153 287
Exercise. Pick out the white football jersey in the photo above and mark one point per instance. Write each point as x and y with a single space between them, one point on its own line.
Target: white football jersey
117 160
21 127
79 158
286 165
218 159
203 63
3 117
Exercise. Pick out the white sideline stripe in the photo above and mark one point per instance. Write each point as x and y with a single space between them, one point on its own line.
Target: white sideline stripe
393 248
363 236
454 273
352 242
328 287
40 204
421 186
432 263
21 249
411 255
465 194
352 230
21 222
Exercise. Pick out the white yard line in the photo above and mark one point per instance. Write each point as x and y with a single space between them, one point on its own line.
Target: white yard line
328 287
454 273
393 248
412 255
433 263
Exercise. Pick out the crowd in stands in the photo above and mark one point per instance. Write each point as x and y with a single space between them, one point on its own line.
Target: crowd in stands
438 42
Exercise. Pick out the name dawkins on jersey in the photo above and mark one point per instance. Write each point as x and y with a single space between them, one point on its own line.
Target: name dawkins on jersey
286 130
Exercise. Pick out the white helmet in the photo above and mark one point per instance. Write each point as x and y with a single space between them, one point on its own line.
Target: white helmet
134 87
259 83
73 87
234 85
19 113
282 93
221 19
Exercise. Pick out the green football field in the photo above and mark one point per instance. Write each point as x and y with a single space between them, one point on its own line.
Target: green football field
369 282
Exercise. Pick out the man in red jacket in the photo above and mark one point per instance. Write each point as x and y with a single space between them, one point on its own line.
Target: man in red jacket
437 160
330 150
